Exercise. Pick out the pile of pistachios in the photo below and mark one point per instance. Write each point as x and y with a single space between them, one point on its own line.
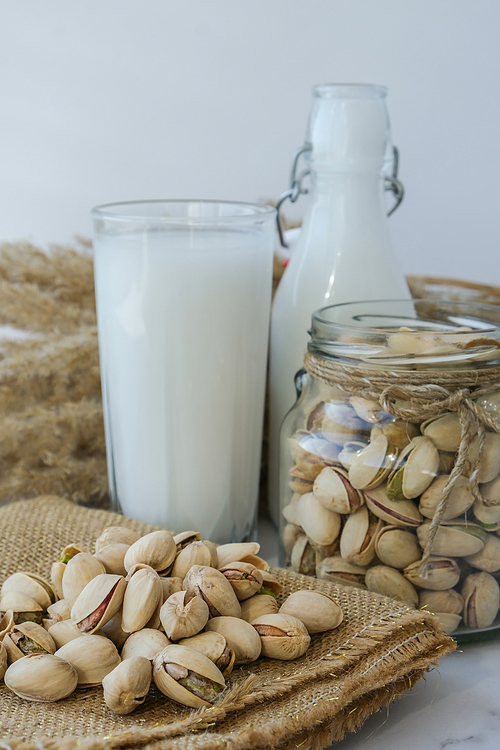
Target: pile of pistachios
363 489
174 609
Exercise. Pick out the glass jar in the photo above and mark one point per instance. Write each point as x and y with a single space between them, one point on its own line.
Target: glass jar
390 458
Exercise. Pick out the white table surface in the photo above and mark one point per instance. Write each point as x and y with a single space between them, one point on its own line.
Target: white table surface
456 705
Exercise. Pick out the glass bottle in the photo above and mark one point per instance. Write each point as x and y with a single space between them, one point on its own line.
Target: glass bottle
344 251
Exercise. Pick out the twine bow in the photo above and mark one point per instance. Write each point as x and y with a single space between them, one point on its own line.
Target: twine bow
414 400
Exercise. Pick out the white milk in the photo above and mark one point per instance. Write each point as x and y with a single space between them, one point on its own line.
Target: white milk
183 333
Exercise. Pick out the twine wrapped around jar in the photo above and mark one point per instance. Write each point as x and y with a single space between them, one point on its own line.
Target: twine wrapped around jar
408 395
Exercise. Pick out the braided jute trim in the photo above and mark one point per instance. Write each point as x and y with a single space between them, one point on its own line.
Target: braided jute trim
408 395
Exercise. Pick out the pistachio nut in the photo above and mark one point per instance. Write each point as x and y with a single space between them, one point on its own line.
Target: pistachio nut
185 538
349 451
184 614
215 646
367 409
300 481
448 622
156 549
445 431
446 462
240 635
3 660
142 597
282 636
245 578
257 562
335 492
390 582
270 584
226 553
341 421
187 676
449 601
112 557
41 677
116 535
127 686
372 465
23 607
303 557
488 558
290 535
357 541
489 467
442 573
6 623
93 657
312 448
28 638
398 432
80 570
169 586
112 629
291 511
460 498
337 570
63 632
56 576
196 553
212 586
260 604
453 538
60 608
70 551
317 610
490 402
32 585
394 512
146 642
397 547
101 598
414 470
488 517
481 600
322 526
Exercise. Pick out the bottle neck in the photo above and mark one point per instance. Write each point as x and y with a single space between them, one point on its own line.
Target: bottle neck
353 192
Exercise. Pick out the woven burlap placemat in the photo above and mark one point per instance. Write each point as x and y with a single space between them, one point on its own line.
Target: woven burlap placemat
381 648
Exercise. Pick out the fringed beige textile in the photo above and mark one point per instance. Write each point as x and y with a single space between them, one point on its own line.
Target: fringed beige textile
408 395
381 649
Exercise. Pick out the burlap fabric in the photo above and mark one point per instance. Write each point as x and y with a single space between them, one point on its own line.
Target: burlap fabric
380 650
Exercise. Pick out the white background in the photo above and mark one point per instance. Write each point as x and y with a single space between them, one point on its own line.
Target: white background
107 100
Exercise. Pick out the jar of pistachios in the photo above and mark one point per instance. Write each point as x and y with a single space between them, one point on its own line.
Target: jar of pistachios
390 459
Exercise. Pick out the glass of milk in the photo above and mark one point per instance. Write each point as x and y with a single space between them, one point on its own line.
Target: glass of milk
183 295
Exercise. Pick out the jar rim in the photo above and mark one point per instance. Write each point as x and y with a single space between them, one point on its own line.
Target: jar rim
173 211
350 90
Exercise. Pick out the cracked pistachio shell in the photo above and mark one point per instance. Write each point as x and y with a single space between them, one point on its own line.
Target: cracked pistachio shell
157 549
397 547
448 622
282 636
240 635
6 623
56 576
318 611
214 588
245 578
127 686
481 600
184 538
340 420
63 632
80 570
300 483
116 535
169 585
112 557
453 538
488 517
444 431
31 585
93 657
349 452
182 616
141 598
390 582
311 448
449 601
99 601
27 638
260 604
215 647
372 465
322 526
182 660
290 535
3 660
442 573
489 467
60 608
459 500
196 553
146 642
415 469
270 584
488 558
41 677
335 492
303 557
113 630
19 603
337 570
357 541
227 553
291 511
394 512
398 432
366 409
